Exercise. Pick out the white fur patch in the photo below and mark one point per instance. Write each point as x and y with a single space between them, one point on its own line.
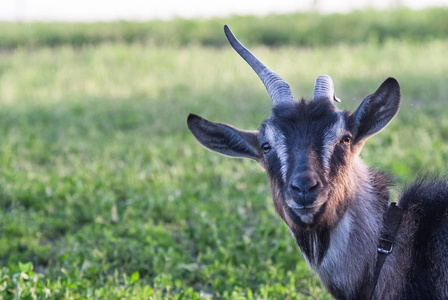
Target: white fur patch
333 134
277 141
337 255
339 241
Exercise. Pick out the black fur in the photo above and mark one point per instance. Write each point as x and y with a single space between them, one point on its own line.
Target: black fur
427 201
316 241
223 138
303 124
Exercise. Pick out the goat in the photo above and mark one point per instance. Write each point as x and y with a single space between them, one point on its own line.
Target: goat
331 201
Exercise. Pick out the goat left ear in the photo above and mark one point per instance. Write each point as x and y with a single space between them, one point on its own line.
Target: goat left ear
376 111
224 139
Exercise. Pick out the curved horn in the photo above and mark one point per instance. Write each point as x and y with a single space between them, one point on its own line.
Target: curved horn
277 88
324 89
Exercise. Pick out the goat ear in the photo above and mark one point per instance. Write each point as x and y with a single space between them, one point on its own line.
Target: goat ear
224 139
376 110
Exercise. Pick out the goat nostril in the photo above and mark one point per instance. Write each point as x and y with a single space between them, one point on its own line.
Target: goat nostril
313 187
305 185
296 187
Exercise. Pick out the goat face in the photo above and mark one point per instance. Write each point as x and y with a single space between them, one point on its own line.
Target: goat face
306 149
309 149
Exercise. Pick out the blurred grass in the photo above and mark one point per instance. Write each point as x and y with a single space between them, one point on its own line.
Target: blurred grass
106 195
298 29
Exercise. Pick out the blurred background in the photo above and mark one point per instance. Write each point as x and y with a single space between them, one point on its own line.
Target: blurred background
104 192
103 10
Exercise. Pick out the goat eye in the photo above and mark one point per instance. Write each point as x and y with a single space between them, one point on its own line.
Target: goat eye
346 140
266 147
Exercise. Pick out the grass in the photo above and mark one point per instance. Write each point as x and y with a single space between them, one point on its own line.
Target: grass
295 29
106 195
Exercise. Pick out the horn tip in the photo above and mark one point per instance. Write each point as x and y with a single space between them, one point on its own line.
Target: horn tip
229 34
227 30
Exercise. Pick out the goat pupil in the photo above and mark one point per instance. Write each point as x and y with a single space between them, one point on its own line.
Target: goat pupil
346 140
266 147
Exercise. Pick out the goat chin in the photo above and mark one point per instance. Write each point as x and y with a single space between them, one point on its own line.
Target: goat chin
305 213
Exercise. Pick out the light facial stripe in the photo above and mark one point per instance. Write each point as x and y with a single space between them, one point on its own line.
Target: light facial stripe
277 141
334 133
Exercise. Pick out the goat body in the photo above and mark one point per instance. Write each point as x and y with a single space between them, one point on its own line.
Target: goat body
331 201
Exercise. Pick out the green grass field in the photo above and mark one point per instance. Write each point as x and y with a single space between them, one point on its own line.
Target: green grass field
106 195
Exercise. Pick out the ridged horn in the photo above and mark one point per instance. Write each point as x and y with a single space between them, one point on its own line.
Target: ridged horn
324 89
277 88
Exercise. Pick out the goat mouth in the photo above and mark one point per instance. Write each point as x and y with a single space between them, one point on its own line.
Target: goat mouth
303 208
305 215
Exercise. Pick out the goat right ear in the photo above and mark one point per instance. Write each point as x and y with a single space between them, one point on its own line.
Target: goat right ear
376 111
224 139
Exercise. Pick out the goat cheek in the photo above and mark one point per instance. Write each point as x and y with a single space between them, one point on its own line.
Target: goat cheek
273 167
338 161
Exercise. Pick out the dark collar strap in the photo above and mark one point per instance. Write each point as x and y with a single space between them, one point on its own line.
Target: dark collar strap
392 219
